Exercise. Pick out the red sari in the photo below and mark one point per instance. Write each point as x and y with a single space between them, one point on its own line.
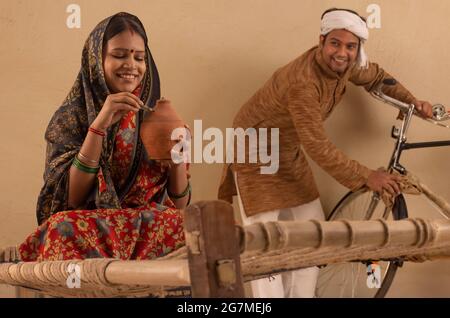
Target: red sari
142 229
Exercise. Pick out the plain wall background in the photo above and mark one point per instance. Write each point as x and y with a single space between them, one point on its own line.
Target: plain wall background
212 55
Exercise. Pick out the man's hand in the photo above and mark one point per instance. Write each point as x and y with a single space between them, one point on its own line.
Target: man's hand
424 108
379 180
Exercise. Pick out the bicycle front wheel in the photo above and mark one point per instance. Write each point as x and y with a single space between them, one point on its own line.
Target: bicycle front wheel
351 280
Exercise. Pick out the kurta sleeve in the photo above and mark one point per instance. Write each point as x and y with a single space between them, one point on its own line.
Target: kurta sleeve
304 107
372 76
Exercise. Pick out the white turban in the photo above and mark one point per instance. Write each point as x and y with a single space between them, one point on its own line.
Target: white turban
341 19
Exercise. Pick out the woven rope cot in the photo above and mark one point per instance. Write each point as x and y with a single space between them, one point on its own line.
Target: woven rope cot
219 255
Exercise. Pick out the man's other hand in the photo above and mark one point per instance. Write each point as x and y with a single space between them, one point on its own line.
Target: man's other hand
424 108
379 180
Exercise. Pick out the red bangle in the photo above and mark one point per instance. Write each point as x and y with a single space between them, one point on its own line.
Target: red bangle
97 132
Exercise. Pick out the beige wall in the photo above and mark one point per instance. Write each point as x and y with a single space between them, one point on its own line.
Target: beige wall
212 55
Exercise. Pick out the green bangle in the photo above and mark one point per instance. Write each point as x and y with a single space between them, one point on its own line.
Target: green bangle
80 166
181 195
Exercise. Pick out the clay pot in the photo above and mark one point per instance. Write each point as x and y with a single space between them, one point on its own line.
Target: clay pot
156 130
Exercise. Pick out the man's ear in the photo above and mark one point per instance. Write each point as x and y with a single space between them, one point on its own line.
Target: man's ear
321 41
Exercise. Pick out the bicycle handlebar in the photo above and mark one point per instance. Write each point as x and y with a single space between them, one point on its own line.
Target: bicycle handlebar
440 114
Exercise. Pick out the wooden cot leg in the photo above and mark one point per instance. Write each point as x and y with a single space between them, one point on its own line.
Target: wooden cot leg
213 250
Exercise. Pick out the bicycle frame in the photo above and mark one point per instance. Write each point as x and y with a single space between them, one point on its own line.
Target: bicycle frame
399 210
401 134
401 144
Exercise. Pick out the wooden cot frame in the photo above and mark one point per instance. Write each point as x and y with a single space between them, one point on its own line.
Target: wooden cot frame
220 256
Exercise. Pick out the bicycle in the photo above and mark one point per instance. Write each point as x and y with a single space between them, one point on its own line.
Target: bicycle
352 279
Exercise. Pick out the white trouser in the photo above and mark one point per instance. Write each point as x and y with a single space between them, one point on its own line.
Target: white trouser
294 284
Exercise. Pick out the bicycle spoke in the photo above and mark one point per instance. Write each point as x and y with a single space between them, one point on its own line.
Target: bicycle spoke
350 279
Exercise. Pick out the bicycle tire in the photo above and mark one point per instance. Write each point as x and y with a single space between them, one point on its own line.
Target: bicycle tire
374 209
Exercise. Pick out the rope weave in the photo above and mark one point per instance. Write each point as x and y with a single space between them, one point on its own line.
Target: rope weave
269 248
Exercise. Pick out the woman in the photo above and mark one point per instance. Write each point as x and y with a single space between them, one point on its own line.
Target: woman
103 196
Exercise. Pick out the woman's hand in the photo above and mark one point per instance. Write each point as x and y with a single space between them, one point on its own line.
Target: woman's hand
172 167
115 107
178 184
166 164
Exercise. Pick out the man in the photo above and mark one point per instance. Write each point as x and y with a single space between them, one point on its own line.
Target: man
297 99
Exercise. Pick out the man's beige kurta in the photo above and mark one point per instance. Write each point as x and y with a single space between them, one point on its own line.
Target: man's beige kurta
297 99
